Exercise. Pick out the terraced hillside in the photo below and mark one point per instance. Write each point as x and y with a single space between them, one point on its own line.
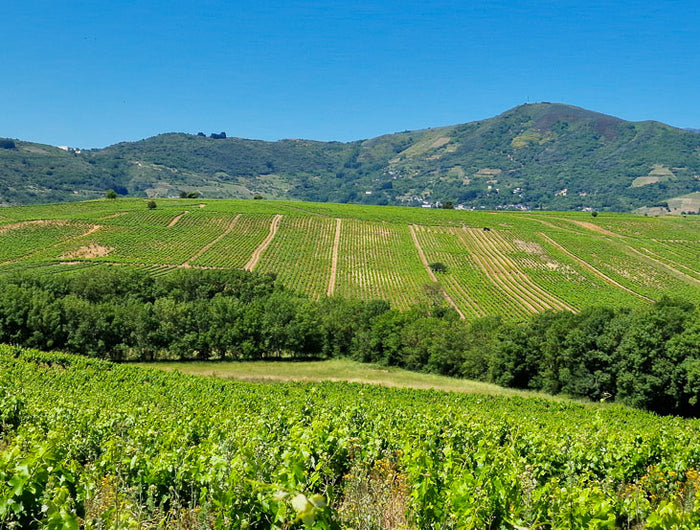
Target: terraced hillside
507 264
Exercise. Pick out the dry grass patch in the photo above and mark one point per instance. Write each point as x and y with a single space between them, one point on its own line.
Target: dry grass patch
644 181
444 140
93 250
336 370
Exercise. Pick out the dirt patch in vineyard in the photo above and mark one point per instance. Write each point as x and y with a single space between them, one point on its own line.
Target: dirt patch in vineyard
552 225
530 247
594 228
334 265
93 250
255 257
112 216
177 218
92 230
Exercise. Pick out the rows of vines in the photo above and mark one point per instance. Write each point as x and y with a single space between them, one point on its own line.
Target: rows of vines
301 256
379 260
87 443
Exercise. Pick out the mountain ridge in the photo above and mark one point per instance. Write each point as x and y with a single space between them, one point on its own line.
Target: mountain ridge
535 155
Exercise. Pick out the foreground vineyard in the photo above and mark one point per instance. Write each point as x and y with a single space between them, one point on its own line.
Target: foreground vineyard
502 264
107 446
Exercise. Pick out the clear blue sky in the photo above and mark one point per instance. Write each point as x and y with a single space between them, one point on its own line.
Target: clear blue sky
92 73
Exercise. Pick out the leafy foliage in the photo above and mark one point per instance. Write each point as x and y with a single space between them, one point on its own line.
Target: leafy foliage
95 444
646 358
438 266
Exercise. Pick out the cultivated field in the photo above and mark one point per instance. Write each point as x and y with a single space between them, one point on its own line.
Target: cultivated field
92 444
507 264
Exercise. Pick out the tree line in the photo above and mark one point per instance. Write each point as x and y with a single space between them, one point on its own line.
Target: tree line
648 357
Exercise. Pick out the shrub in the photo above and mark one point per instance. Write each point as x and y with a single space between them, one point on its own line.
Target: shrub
438 267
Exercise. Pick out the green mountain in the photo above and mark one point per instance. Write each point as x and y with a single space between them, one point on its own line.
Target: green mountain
544 155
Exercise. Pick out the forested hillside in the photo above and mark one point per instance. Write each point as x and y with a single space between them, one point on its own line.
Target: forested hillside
547 156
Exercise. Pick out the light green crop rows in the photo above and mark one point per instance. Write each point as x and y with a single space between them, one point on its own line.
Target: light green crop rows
524 262
301 254
234 249
379 261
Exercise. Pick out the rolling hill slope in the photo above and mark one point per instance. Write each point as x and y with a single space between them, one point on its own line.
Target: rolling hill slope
508 264
548 156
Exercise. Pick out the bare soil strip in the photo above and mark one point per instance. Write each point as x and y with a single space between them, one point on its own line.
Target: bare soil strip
592 269
552 225
113 215
177 218
40 222
593 227
92 230
334 265
430 271
187 264
255 257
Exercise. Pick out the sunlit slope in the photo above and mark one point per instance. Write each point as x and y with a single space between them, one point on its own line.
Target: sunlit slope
497 263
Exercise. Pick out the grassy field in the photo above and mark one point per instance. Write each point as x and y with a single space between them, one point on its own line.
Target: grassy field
336 370
508 264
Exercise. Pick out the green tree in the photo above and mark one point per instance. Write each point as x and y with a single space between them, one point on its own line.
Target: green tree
110 194
438 267
647 371
151 204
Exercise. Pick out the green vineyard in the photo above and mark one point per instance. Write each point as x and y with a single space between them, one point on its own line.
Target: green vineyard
89 444
508 264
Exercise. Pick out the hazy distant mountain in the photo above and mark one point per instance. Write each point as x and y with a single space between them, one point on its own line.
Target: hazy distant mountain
543 155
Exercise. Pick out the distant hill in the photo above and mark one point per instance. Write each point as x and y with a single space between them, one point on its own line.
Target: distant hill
544 155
